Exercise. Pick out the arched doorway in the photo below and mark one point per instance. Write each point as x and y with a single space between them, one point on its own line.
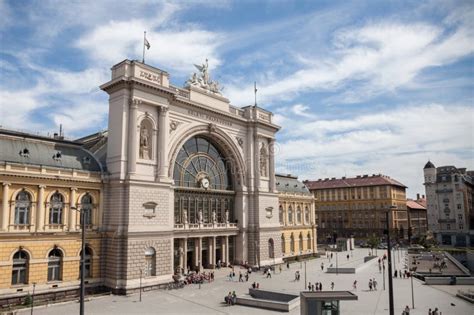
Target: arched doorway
271 248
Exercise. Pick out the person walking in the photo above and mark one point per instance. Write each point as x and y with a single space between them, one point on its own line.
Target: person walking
370 285
309 286
320 286
241 277
247 277
269 274
354 285
406 311
287 265
375 284
347 256
332 286
279 267
322 266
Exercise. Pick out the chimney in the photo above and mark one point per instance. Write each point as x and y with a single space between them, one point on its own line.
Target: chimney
417 196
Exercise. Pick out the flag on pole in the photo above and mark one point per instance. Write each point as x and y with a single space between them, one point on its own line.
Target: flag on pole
147 44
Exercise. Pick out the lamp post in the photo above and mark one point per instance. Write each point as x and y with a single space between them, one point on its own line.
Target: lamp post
33 298
140 292
305 284
389 245
412 293
337 266
83 267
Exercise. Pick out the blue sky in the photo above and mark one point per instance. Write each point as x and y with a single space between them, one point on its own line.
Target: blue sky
358 87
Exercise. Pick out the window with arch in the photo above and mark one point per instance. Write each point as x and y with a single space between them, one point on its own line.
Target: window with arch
22 208
308 240
150 262
20 268
306 215
86 207
290 215
292 243
87 263
56 208
271 248
298 215
280 214
301 242
283 243
55 259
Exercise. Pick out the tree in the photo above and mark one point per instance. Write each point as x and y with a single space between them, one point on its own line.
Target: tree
373 242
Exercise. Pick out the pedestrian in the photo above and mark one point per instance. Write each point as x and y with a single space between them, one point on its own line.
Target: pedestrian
332 286
230 276
309 286
354 285
241 277
347 256
395 275
430 312
287 265
212 276
380 268
320 286
435 312
269 274
331 255
370 285
296 275
228 299
375 284
247 277
322 266
279 267
258 285
406 311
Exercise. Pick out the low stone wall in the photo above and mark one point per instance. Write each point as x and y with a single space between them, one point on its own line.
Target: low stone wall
341 270
271 300
369 258
448 280
271 295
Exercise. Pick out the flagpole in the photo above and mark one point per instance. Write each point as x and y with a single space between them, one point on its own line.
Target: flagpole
144 39
255 91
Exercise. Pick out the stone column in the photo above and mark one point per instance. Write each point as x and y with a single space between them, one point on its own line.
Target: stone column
223 250
257 161
163 135
72 213
227 249
5 207
132 137
214 250
210 252
271 164
40 209
199 253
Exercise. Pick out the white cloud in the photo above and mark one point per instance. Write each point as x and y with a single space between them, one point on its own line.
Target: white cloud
395 142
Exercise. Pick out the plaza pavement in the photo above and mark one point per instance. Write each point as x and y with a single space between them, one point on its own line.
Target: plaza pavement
209 299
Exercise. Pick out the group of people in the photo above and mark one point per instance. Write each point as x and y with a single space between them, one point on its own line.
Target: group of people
297 276
372 285
318 286
231 298
405 274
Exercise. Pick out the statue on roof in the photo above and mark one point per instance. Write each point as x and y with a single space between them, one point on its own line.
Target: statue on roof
203 80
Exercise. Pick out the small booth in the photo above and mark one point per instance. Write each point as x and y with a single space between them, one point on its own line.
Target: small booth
324 302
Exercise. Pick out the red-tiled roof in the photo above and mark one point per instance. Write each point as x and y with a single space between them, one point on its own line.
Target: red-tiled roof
361 181
412 204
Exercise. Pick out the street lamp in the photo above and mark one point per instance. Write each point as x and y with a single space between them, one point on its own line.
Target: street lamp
33 298
412 293
83 265
389 245
305 284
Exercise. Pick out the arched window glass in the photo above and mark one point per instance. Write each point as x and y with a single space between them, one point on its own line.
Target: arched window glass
306 215
22 208
20 268
280 214
87 263
290 215
298 215
200 164
86 206
55 258
283 245
150 262
56 209
308 245
301 242
292 243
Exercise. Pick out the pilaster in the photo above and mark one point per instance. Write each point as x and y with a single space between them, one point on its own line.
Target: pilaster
72 213
40 209
5 207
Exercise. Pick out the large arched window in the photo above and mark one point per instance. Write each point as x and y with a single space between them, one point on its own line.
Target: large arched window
271 248
301 242
298 215
150 262
22 208
86 207
290 215
20 268
280 214
283 243
292 243
306 215
55 258
200 164
56 209
87 263
204 189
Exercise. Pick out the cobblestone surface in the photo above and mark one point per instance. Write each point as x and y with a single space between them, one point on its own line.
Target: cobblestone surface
209 298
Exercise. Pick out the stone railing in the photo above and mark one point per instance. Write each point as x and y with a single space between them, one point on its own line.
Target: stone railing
204 226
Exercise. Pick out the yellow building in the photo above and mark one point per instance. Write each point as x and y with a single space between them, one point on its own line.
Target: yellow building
45 182
297 218
357 206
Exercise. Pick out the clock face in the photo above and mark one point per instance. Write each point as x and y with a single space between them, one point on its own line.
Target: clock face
205 183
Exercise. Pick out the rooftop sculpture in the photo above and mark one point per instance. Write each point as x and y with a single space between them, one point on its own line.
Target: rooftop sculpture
202 79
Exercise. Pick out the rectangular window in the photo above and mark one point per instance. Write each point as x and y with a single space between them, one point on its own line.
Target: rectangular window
459 206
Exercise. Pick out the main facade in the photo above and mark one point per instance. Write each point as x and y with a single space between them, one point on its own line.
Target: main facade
181 180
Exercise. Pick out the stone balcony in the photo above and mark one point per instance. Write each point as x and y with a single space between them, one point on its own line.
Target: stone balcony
204 226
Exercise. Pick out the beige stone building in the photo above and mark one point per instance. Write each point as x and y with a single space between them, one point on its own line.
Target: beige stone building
297 218
357 206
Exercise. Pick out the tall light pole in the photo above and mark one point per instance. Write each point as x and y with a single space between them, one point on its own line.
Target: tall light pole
33 298
83 265
305 284
412 293
389 245
337 267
